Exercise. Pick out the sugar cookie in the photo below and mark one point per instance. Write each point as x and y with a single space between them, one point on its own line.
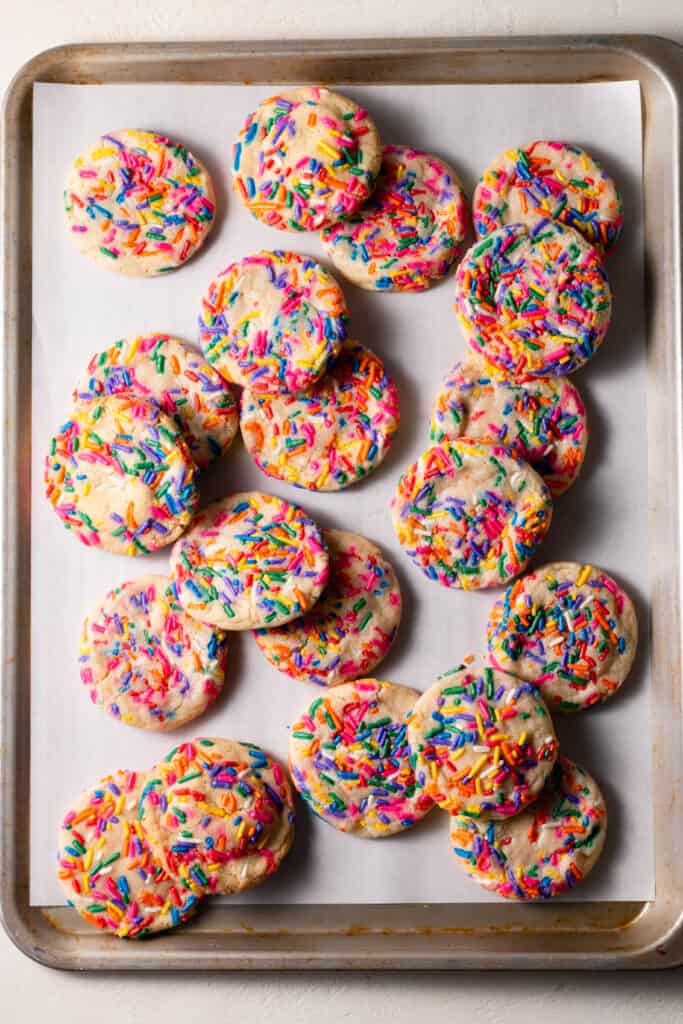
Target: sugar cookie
145 661
543 419
272 322
107 869
568 629
470 515
533 301
353 625
483 743
350 759
163 370
119 475
138 203
549 180
218 814
547 848
247 561
306 158
409 232
331 436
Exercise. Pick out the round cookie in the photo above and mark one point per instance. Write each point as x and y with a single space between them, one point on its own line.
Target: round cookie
470 515
483 743
145 661
350 759
272 322
353 625
161 369
547 848
542 419
249 560
107 869
549 180
120 476
138 203
331 436
306 158
533 301
567 628
218 814
409 232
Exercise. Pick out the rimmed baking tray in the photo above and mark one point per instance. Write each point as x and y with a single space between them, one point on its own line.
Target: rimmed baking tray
585 935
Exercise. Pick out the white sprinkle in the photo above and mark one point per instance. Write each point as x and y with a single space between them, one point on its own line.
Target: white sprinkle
546 451
490 771
510 697
480 750
245 869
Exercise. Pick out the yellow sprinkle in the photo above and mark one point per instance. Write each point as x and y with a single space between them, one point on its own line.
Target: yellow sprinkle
583 575
477 767
99 154
133 350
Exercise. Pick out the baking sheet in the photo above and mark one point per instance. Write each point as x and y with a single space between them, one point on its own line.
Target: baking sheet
78 309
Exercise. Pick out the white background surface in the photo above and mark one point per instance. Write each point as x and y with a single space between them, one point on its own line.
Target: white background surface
418 338
30 992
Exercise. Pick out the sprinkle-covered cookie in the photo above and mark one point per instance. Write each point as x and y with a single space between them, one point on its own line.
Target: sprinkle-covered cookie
107 869
272 322
120 476
470 515
409 232
545 850
247 561
483 743
533 301
567 628
353 625
331 436
138 203
543 419
145 661
350 759
306 158
549 180
160 368
218 814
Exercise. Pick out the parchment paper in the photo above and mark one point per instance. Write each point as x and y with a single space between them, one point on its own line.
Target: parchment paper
80 308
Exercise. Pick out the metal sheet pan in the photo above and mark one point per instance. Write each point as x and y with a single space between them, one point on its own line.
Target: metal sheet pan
598 935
